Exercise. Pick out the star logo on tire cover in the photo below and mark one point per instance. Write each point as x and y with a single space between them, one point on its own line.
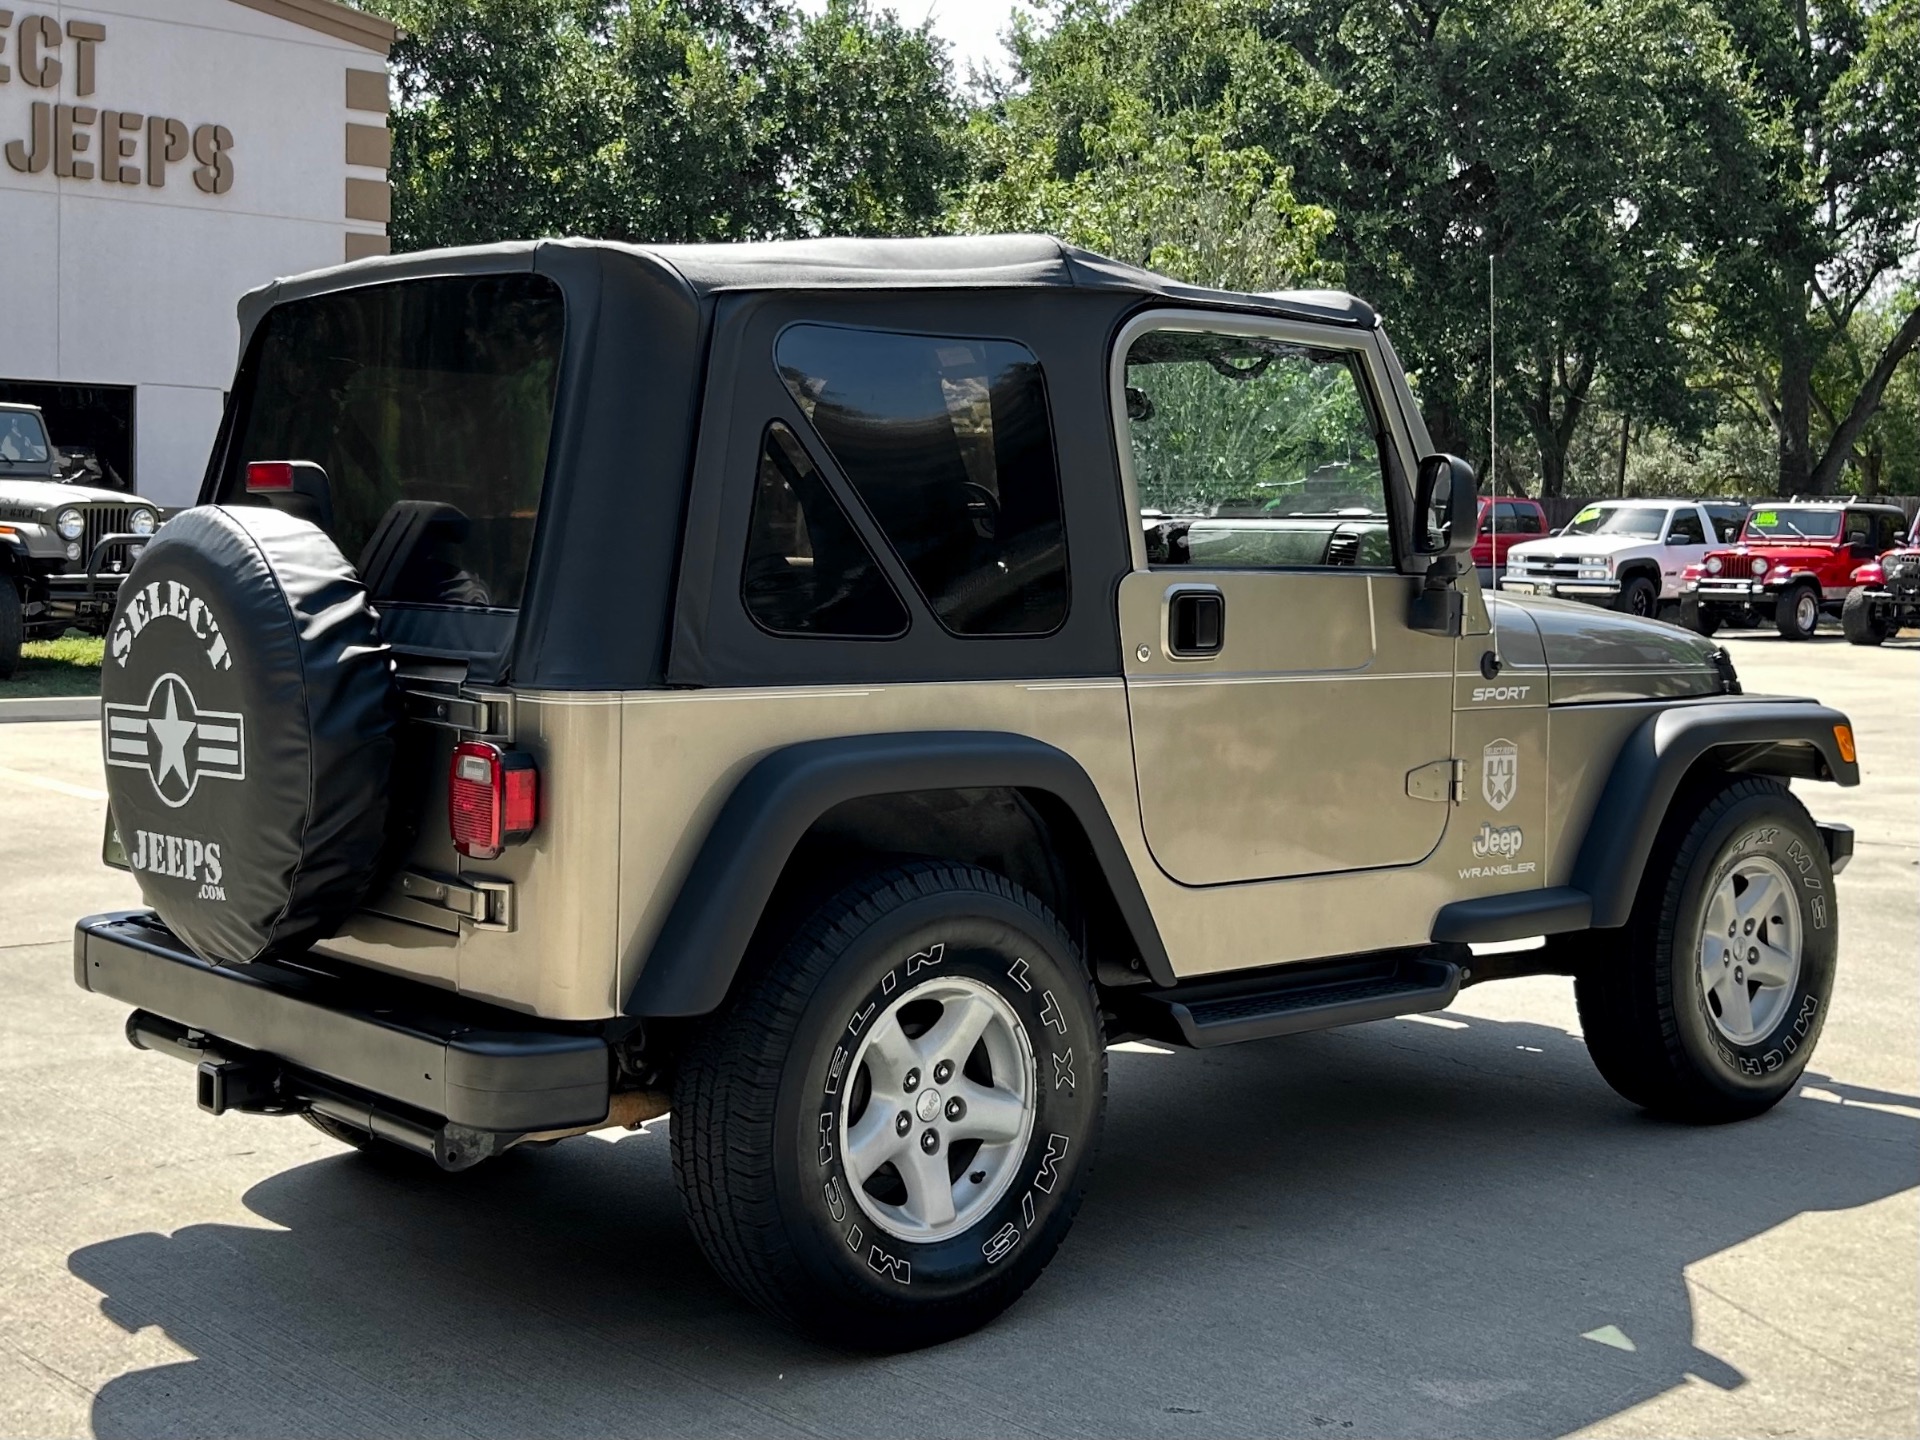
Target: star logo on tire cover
176 742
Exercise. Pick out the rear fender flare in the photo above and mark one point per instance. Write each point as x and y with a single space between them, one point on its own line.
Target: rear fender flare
690 967
1753 737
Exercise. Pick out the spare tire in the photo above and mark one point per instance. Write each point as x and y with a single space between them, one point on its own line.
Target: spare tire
248 712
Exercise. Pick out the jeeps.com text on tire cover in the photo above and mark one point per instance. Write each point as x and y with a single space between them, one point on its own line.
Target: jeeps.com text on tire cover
833 690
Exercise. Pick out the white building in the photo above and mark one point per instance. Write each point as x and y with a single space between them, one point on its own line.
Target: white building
157 159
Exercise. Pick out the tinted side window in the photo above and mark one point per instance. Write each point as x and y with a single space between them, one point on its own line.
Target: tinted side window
426 392
949 444
807 570
1685 529
1727 521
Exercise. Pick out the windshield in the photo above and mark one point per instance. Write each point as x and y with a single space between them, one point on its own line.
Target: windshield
23 439
1794 522
427 393
1641 520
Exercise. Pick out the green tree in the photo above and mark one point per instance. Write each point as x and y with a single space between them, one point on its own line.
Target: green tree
1583 144
666 120
1132 150
1834 107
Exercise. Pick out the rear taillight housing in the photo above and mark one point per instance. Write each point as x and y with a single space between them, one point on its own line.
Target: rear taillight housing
493 798
269 477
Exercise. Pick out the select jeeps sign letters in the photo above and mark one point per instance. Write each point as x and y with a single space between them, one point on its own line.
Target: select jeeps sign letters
84 141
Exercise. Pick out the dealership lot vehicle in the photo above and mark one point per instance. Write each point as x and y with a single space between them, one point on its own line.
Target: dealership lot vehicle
961 725
1627 554
1503 524
1886 594
1794 562
64 548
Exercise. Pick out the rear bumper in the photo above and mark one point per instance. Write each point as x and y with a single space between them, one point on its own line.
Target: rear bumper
421 1049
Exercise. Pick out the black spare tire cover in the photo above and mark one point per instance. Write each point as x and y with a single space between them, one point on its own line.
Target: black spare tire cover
248 710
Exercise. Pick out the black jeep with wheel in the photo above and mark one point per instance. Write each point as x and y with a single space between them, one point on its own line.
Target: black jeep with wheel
829 692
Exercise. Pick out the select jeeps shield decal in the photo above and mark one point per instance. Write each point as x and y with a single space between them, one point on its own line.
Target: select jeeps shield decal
176 742
1500 773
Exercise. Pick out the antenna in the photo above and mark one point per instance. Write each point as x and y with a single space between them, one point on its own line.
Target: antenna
1493 461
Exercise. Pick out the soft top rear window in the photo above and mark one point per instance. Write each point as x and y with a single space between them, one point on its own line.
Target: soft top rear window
437 392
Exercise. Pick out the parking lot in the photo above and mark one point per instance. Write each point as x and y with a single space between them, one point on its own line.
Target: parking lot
1438 1226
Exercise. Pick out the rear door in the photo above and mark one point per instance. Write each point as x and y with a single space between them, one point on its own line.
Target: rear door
1279 700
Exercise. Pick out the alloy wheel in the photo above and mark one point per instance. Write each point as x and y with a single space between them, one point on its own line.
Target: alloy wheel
941 1109
1750 949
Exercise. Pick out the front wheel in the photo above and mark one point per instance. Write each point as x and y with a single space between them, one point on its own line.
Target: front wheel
1707 1005
884 1136
1796 614
1639 596
1863 623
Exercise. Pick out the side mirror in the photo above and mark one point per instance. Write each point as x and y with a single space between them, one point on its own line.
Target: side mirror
1446 514
1446 507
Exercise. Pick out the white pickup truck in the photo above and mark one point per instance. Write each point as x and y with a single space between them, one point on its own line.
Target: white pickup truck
1627 554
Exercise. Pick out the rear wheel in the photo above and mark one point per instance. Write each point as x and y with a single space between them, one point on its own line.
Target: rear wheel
1707 1005
1638 596
1863 622
885 1135
1796 614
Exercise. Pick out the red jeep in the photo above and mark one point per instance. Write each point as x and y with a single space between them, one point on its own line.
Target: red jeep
1885 595
1794 560
1504 523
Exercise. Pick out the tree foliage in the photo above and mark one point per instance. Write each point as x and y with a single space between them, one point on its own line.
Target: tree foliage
1703 215
666 120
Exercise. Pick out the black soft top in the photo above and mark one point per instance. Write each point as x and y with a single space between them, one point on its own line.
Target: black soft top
950 262
640 323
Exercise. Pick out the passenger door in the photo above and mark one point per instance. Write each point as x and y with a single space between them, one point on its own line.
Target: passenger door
1688 530
1282 709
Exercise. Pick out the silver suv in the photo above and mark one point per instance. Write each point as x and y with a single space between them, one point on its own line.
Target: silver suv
64 548
833 690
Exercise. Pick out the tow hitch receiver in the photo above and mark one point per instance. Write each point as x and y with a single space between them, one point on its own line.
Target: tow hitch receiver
224 1085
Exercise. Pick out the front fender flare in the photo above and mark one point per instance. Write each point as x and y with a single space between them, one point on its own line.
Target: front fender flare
1790 738
691 965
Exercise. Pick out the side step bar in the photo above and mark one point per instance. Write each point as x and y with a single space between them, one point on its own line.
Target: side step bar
1301 998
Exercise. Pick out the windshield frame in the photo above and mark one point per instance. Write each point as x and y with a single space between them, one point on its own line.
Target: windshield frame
20 422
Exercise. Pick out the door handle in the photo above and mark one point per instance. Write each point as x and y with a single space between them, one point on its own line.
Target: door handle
1196 623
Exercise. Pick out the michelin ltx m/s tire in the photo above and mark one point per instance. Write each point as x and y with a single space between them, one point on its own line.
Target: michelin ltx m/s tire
883 1137
1707 1005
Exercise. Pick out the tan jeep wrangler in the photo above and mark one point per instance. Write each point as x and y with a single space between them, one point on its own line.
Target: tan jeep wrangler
833 690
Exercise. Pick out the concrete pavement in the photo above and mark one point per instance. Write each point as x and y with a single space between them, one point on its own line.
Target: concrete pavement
1408 1228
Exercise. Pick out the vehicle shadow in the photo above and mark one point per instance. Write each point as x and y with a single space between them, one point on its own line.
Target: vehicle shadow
1400 1229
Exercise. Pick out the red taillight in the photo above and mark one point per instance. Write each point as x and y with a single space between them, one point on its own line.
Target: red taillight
266 477
493 798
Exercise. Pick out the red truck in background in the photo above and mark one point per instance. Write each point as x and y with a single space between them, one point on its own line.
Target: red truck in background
1504 523
1794 561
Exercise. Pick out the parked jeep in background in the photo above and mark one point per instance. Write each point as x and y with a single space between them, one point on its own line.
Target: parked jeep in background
1795 560
1885 595
812 688
1628 554
1504 523
64 548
